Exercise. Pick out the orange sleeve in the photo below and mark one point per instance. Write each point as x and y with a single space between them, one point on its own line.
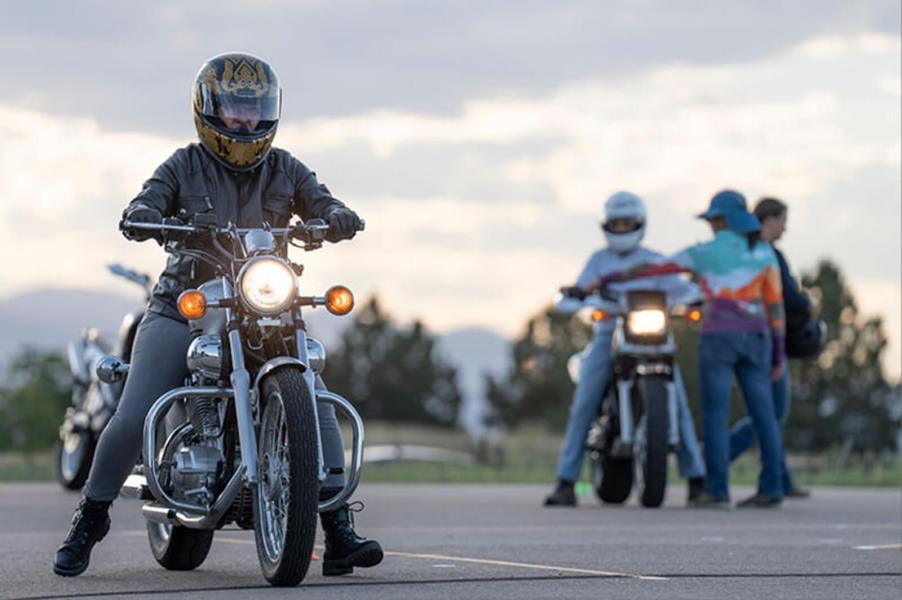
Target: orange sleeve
773 297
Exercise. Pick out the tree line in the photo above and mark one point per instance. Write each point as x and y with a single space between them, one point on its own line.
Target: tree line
393 372
842 398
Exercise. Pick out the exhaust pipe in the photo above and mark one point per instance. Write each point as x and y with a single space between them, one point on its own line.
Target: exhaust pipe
159 513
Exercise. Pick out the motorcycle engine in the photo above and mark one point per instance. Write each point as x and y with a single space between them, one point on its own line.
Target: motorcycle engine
196 470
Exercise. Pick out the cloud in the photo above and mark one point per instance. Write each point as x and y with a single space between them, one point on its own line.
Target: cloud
131 64
475 217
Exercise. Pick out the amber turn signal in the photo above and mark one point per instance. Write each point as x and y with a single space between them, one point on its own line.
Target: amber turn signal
192 304
694 315
599 315
339 300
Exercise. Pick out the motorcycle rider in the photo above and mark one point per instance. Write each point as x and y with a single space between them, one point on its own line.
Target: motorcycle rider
236 175
623 225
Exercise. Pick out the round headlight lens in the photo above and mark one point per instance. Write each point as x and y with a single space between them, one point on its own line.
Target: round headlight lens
268 285
647 322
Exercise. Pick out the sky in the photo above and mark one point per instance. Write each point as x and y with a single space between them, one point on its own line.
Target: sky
479 140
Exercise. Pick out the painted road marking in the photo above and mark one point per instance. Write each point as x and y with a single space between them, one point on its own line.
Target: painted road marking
519 565
881 547
497 563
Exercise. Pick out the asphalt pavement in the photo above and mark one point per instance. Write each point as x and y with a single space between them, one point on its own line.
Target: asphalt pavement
495 541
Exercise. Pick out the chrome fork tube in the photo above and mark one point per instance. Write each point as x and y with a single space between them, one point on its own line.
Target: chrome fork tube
241 385
624 387
672 413
310 379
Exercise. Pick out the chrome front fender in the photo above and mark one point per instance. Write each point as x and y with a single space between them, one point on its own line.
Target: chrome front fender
273 364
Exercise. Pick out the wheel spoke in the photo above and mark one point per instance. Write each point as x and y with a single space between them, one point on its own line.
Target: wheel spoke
274 488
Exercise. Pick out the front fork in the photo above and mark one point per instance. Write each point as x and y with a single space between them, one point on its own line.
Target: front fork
627 422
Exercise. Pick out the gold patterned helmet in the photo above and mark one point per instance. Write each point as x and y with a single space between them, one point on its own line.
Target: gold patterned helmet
237 103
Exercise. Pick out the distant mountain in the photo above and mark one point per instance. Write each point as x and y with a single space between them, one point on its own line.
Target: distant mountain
476 352
50 318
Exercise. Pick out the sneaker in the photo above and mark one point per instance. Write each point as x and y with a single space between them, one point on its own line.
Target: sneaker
706 500
563 495
760 501
797 493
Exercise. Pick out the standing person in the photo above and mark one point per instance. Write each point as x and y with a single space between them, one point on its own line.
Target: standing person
623 225
235 174
742 336
772 214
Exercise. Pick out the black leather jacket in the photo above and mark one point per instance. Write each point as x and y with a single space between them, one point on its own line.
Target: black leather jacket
191 181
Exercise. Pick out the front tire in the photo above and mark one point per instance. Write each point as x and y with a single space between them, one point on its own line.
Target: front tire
286 502
653 395
612 479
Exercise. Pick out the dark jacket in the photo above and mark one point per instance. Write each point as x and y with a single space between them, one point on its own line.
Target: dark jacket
795 302
191 181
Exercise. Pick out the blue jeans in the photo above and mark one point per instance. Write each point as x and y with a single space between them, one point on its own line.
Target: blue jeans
743 433
747 356
594 374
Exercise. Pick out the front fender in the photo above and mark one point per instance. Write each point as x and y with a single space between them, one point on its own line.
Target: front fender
276 363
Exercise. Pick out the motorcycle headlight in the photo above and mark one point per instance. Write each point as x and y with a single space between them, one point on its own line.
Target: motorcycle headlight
646 322
267 285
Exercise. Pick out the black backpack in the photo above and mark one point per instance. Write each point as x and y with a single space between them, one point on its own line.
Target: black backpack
806 340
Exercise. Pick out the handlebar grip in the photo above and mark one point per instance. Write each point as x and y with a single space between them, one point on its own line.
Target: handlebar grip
362 225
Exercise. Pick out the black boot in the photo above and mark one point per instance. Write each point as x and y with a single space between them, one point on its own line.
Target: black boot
90 524
344 548
696 486
563 494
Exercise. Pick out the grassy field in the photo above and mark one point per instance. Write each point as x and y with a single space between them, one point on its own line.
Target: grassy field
529 456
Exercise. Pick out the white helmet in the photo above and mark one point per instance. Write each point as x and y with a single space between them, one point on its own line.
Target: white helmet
624 206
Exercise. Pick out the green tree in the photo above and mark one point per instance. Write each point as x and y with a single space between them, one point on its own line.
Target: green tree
843 396
538 386
393 373
32 405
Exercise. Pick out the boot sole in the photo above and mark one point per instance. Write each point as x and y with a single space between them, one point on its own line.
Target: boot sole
368 556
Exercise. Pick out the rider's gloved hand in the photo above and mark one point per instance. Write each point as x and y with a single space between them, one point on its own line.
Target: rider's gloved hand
574 291
141 214
343 224
173 236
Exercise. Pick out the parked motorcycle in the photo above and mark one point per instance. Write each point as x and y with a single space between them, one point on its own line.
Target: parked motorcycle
240 443
93 401
637 418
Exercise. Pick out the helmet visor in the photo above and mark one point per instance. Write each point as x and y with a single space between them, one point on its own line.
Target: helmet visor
621 225
247 110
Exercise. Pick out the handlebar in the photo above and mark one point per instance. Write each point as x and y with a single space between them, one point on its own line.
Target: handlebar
298 229
571 302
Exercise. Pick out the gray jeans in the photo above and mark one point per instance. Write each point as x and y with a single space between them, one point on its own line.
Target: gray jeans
157 366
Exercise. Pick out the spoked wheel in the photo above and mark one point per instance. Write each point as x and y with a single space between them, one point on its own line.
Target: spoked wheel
652 443
612 478
286 502
74 453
